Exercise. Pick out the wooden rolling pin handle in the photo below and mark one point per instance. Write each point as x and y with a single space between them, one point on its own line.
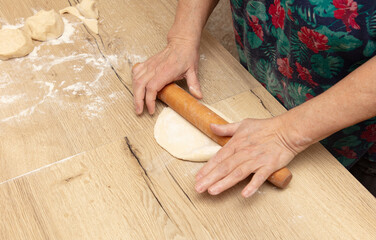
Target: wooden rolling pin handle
201 117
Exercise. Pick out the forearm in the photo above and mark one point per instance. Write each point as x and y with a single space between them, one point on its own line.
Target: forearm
350 101
190 19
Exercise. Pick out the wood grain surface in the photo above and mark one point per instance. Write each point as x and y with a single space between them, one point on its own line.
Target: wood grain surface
77 163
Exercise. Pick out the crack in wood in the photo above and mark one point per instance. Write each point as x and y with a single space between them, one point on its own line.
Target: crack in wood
130 148
67 180
181 188
145 176
121 79
261 101
156 198
100 37
103 55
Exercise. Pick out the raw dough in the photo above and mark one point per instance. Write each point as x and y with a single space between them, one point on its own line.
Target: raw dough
88 8
71 10
92 24
181 139
14 43
45 25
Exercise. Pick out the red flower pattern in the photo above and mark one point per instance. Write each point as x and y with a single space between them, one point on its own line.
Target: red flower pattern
309 96
347 14
284 67
314 40
289 13
280 97
347 152
256 27
347 11
278 14
370 133
305 75
238 38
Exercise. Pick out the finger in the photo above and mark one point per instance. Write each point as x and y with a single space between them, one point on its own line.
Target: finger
238 174
194 84
257 180
227 130
136 68
220 171
151 96
139 91
221 155
154 86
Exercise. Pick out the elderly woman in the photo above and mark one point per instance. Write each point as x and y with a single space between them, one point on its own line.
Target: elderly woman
315 56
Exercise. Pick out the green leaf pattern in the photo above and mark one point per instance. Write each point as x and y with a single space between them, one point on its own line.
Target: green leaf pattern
306 51
326 67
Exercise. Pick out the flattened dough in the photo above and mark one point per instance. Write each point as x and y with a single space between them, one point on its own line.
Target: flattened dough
181 139
45 25
71 10
14 43
88 8
92 24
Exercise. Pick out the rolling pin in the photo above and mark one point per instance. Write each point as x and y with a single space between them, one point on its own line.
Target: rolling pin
201 117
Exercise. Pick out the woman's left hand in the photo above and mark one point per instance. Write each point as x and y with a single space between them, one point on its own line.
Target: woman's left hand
257 146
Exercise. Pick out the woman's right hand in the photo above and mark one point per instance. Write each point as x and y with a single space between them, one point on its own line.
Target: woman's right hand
177 61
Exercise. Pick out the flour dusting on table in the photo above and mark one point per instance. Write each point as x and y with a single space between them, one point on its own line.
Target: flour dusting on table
6 25
44 63
69 30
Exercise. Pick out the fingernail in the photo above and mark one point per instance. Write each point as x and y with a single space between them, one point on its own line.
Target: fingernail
192 89
214 190
249 192
199 188
195 91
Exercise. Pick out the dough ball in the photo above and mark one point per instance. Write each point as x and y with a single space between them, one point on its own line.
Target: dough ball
181 139
45 25
88 8
14 43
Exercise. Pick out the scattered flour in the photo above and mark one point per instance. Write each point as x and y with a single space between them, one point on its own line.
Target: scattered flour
116 95
41 60
10 98
78 89
113 59
77 68
5 80
134 58
6 25
69 30
93 109
50 93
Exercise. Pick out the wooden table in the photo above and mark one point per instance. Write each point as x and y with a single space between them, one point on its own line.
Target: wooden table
76 163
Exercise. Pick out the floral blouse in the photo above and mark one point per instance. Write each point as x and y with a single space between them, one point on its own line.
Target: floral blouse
298 49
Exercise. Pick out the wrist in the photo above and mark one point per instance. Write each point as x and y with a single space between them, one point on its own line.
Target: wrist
186 36
296 138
